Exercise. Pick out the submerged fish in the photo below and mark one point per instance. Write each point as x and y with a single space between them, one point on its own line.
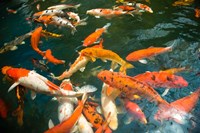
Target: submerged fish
12 45
51 58
182 107
3 109
50 34
40 65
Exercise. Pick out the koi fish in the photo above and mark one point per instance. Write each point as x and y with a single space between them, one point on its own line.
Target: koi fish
130 86
109 107
47 19
63 23
83 125
64 6
140 6
19 112
40 64
79 64
197 13
181 109
104 55
12 45
124 8
182 2
146 53
134 112
52 59
35 38
162 79
11 11
76 18
93 37
67 125
52 12
50 34
107 13
35 82
3 109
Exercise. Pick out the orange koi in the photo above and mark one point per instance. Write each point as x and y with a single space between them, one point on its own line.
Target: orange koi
105 55
147 53
181 108
35 38
162 79
197 13
89 40
107 13
124 8
52 59
130 86
67 125
35 82
3 109
134 112
44 19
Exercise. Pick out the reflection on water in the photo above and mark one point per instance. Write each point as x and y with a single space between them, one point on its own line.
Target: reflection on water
168 24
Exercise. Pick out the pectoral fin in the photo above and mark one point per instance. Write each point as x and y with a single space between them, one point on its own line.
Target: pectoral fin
82 69
50 124
13 86
143 61
33 95
13 48
93 59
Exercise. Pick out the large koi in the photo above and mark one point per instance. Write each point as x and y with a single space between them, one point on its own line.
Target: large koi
104 55
35 82
130 86
181 109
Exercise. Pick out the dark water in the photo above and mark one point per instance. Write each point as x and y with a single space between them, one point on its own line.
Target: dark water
165 26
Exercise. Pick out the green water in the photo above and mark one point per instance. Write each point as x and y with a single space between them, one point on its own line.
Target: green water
165 26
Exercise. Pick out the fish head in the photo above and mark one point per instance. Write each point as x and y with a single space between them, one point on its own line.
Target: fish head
4 69
180 81
106 76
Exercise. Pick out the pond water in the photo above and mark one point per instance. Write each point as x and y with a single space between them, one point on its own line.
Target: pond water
166 25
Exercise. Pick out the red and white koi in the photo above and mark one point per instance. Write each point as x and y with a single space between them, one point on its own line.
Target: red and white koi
49 13
35 82
107 13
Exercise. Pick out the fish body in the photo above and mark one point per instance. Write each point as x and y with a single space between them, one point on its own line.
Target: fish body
44 19
3 109
147 53
107 13
83 125
92 116
143 7
79 64
124 8
197 13
36 82
35 38
130 86
53 12
67 125
109 107
162 79
74 16
63 23
52 59
93 37
134 111
174 70
12 45
63 6
181 109
50 34
104 54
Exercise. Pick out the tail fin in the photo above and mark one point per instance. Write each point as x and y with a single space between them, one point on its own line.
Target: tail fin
106 26
77 6
126 66
82 22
